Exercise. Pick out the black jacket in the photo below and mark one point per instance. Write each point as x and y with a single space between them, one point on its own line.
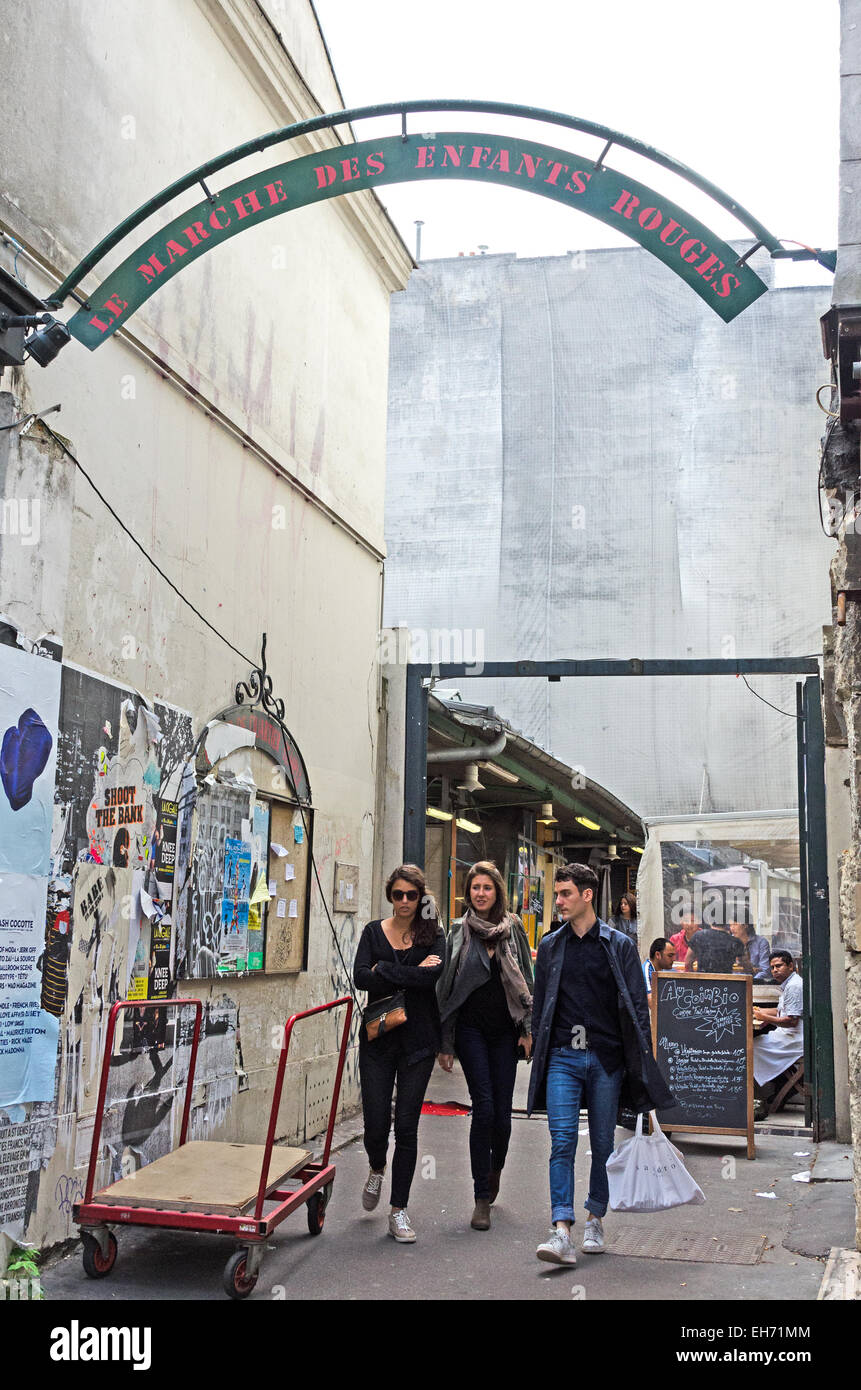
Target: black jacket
643 1087
420 1034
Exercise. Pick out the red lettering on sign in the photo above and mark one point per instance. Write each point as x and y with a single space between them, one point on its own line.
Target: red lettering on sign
479 156
650 219
722 287
151 268
195 233
375 163
213 219
555 171
531 164
253 201
500 162
325 175
351 169
579 179
687 252
174 251
425 159
665 234
452 155
276 192
710 267
623 198
115 307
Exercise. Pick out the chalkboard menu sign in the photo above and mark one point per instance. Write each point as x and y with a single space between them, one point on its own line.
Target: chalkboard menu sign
702 1033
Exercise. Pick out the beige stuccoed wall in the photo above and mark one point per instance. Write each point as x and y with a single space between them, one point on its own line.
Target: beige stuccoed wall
237 427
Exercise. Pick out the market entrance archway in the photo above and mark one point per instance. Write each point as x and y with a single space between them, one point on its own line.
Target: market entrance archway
708 264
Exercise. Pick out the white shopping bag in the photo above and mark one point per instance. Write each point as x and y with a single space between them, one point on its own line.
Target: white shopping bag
646 1173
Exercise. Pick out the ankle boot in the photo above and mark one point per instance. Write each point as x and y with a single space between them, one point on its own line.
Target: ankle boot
481 1215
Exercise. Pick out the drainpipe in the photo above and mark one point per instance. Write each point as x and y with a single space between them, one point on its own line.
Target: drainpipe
479 752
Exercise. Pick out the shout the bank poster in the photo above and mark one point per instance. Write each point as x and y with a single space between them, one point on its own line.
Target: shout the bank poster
28 1034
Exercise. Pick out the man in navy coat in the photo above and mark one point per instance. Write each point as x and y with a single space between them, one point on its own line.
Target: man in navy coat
590 1047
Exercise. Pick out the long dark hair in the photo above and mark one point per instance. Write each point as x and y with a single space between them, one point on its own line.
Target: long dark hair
500 904
426 921
632 903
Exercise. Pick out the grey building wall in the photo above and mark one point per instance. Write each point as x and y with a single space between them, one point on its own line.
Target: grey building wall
584 461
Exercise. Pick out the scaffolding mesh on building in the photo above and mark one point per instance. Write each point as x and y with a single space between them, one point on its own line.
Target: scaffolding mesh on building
584 461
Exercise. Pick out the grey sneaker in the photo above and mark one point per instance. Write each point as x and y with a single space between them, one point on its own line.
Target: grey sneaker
593 1236
371 1190
558 1250
400 1228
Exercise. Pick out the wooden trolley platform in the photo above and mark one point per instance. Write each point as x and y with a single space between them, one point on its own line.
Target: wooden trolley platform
206 1185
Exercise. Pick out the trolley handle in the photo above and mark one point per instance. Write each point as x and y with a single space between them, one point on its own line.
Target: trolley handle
106 1067
279 1082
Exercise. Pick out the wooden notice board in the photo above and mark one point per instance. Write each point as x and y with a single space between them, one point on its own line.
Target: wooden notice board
702 1035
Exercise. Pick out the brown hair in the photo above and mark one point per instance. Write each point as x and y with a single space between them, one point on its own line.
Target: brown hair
426 921
500 905
632 903
580 875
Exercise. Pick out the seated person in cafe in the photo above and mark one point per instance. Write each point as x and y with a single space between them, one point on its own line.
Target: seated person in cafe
758 950
778 1050
682 939
662 953
713 948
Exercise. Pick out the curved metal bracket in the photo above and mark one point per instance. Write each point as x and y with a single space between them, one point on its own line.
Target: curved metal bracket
258 689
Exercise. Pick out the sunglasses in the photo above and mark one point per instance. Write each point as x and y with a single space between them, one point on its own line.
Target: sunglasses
411 894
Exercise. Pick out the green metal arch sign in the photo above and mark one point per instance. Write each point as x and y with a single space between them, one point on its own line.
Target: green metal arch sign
705 262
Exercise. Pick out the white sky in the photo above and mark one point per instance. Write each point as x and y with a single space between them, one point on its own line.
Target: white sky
743 91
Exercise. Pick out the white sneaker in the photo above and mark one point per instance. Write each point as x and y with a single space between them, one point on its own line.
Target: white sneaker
371 1190
558 1250
400 1228
593 1236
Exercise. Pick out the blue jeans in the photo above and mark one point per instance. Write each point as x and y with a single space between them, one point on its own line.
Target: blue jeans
572 1077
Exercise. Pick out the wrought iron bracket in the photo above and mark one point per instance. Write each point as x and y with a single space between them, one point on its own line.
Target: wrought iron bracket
257 690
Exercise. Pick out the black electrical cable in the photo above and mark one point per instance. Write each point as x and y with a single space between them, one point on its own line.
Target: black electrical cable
141 547
787 712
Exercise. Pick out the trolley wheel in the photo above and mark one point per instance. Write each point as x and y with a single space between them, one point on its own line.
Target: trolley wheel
317 1209
97 1265
238 1283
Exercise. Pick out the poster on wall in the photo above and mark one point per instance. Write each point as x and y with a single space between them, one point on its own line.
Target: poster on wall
28 1033
29 720
233 948
98 965
260 895
111 741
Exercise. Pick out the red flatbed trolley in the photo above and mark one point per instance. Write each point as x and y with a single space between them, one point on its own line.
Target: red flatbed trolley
207 1185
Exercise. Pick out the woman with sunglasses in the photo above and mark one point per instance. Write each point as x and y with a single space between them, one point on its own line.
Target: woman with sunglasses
485 998
401 952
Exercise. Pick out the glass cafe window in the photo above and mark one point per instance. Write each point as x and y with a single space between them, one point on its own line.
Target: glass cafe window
724 869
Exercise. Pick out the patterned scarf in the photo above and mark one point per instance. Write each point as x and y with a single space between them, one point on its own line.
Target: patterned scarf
517 995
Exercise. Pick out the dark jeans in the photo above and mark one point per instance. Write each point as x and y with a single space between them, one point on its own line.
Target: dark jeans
380 1064
490 1068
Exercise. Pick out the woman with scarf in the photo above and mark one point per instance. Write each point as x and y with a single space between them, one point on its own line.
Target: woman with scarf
485 999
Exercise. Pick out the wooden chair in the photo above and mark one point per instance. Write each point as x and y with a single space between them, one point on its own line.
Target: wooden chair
792 1087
